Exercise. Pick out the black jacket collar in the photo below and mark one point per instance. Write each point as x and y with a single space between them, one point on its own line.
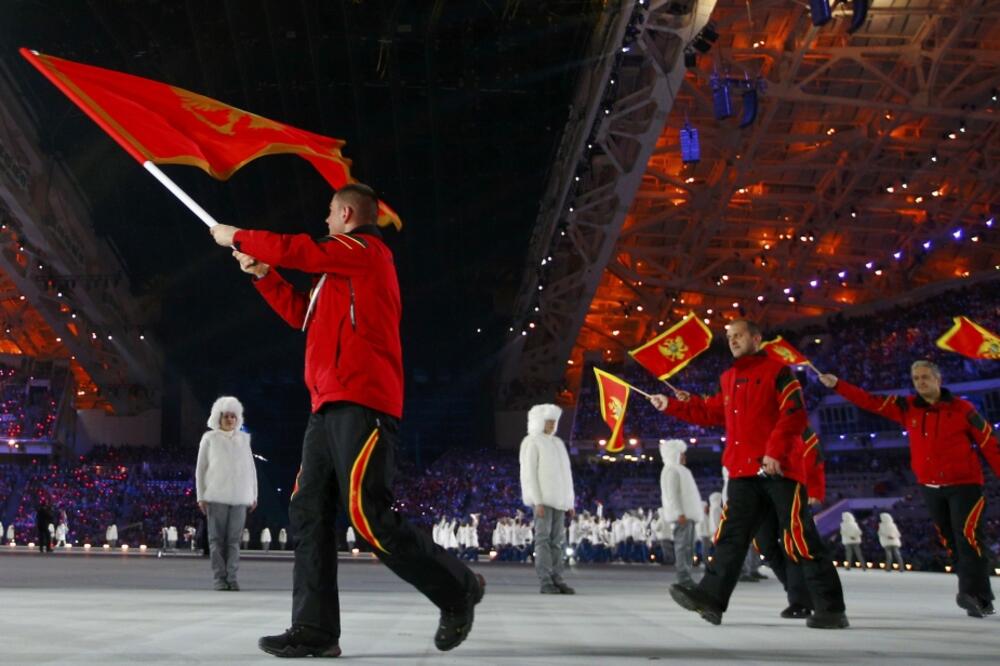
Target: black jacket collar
923 404
368 230
364 229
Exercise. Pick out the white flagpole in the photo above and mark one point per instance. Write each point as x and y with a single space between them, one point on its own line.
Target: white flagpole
180 194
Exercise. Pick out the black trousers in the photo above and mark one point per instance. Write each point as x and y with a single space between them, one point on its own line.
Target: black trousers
769 543
957 512
348 458
751 501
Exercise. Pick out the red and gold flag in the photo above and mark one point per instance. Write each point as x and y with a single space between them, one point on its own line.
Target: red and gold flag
613 394
970 339
670 351
164 124
780 350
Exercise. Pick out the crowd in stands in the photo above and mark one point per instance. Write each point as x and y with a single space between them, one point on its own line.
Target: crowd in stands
480 491
27 406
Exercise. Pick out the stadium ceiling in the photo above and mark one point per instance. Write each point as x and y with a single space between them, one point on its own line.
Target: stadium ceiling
871 170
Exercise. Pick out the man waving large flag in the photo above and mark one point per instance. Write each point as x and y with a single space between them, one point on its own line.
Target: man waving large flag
158 123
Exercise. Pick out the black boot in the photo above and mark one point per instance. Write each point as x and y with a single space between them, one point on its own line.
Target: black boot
456 623
300 642
973 607
796 612
693 599
827 620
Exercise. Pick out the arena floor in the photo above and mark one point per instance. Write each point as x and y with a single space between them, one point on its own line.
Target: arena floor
101 608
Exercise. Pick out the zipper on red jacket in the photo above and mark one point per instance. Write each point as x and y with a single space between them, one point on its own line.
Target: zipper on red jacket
350 286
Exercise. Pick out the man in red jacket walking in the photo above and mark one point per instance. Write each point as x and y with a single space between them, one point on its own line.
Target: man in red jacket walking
762 408
354 372
944 432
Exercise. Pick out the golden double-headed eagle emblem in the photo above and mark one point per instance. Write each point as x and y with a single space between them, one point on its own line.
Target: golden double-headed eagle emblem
616 408
220 117
990 348
784 353
673 348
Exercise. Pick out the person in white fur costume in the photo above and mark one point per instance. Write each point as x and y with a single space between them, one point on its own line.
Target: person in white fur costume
547 487
226 483
681 506
891 541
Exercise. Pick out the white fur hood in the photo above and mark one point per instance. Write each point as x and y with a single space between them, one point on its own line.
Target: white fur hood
671 451
226 403
539 414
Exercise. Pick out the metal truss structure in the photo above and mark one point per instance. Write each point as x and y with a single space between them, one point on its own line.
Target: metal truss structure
619 112
871 171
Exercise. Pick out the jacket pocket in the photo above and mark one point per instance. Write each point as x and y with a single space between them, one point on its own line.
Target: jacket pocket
340 343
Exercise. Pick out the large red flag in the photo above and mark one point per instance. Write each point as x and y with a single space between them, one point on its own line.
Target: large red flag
970 339
670 351
164 124
780 350
614 399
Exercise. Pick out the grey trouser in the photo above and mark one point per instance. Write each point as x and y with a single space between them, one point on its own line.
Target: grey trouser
751 563
684 551
550 539
225 527
667 546
852 554
892 553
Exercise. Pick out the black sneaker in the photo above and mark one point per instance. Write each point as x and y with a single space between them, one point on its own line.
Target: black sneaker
694 600
549 588
300 642
988 608
234 586
828 620
972 606
456 624
564 588
796 612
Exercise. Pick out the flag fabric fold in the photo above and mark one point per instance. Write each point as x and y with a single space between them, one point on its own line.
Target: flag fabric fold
165 124
968 338
671 351
613 393
780 350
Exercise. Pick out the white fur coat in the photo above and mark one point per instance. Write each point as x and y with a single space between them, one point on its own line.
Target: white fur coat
678 490
546 477
225 473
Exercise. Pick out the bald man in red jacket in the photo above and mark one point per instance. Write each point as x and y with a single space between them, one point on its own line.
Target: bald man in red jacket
944 432
354 373
761 406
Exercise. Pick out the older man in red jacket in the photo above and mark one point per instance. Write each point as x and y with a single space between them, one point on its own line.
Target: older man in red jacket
354 372
762 408
944 432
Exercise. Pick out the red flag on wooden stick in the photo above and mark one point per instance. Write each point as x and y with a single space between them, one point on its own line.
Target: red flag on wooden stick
613 394
163 124
670 351
780 350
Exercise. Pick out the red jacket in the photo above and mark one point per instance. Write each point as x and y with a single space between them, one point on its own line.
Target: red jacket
762 408
943 436
353 352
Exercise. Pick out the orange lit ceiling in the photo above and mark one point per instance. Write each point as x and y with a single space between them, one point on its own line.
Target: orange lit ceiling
851 159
